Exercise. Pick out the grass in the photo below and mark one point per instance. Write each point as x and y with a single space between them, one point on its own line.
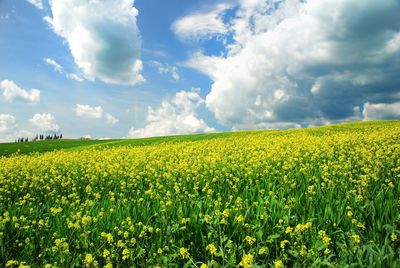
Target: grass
7 149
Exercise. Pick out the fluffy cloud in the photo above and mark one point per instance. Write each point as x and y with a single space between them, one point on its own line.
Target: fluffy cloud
377 111
202 24
174 117
40 123
103 38
12 92
111 120
167 69
293 63
9 130
97 112
7 123
44 122
88 111
59 69
37 3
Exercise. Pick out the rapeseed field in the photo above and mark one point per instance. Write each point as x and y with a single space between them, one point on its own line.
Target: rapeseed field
300 198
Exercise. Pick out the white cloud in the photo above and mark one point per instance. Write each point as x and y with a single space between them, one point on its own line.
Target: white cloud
378 111
7 123
37 3
59 69
167 69
9 130
88 111
96 112
174 117
44 122
12 92
292 62
202 24
74 77
111 120
103 38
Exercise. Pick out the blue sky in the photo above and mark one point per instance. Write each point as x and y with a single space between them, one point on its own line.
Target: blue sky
124 68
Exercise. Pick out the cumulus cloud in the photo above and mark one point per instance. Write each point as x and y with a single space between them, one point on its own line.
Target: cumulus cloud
40 123
37 3
200 25
167 69
378 111
59 69
174 117
7 123
103 38
96 112
12 92
44 122
290 63
111 120
88 111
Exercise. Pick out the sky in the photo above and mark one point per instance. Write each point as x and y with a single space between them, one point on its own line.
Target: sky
131 69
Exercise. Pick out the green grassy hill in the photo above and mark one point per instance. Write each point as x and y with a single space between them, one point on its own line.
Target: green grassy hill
7 149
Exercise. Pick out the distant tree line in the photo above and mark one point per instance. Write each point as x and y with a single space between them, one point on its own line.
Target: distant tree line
41 137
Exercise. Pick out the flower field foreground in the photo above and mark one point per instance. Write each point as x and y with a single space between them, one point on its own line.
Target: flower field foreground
321 196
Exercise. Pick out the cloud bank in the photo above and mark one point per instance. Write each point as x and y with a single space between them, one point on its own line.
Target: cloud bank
292 63
102 36
39 123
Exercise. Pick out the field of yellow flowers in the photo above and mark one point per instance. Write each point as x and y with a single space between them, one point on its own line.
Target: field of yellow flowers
311 197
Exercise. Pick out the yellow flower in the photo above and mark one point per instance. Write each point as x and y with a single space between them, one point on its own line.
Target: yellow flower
203 265
184 253
11 263
208 219
246 261
349 213
89 258
303 250
106 253
250 240
356 239
262 251
240 218
110 238
226 213
278 264
108 265
283 244
212 249
393 237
